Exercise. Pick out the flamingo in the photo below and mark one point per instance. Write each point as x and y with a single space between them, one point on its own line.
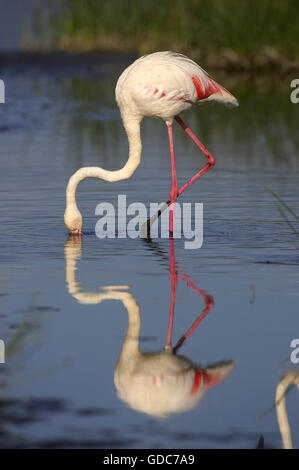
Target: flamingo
159 85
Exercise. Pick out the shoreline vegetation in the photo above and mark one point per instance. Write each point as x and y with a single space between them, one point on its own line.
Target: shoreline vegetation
247 35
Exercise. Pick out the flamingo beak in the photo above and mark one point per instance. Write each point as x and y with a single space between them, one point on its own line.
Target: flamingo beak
76 231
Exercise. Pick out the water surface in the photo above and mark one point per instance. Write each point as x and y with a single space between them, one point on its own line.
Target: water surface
62 345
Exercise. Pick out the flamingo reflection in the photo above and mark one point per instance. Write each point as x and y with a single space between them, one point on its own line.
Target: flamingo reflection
157 383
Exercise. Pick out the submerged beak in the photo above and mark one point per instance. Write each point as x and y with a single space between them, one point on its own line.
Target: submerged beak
77 232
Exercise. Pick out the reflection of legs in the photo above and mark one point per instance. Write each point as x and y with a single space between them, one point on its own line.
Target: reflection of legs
209 301
209 305
210 159
174 281
174 185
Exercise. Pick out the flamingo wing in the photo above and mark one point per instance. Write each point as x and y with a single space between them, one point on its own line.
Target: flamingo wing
163 84
178 77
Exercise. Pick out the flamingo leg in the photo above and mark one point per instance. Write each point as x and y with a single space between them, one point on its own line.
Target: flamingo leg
210 159
174 187
209 305
208 299
174 193
174 281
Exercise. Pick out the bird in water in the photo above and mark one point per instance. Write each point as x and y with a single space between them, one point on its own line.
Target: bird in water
160 85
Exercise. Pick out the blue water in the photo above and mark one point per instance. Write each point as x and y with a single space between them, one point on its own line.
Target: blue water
57 385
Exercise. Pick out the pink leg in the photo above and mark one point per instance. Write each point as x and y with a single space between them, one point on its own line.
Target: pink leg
174 187
175 192
209 305
174 281
208 299
211 160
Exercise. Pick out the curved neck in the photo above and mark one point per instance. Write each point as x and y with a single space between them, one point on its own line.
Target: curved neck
131 343
132 127
281 411
72 253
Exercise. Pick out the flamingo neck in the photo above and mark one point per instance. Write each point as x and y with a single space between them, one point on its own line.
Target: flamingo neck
130 345
132 127
281 411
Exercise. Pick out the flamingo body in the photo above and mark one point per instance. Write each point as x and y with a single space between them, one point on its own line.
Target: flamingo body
164 84
162 383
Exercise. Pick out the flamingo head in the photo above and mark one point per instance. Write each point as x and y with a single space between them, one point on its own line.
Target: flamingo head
73 220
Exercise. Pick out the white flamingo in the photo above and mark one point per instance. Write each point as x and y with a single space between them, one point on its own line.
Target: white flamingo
159 85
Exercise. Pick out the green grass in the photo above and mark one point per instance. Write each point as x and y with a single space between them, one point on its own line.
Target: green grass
248 30
290 217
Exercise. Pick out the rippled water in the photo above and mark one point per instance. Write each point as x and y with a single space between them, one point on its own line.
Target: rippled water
63 340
